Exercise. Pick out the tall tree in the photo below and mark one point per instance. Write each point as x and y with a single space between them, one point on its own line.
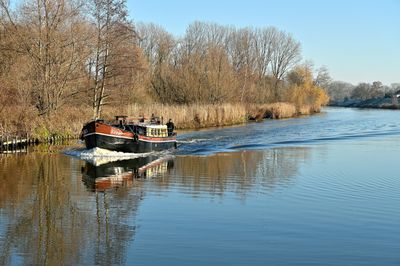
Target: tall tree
286 54
158 46
115 54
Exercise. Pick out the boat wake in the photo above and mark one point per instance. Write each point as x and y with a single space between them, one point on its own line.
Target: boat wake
198 140
99 156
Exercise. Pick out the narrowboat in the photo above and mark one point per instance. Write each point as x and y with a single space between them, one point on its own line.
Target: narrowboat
129 136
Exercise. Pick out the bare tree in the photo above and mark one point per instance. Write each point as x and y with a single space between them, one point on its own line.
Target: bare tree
158 46
323 78
194 68
286 53
243 56
48 33
365 91
264 48
339 90
395 88
111 60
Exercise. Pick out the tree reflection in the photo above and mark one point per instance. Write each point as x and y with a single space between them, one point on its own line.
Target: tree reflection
47 218
237 172
58 210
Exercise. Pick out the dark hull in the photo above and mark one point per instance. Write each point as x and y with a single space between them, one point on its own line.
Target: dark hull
126 145
101 135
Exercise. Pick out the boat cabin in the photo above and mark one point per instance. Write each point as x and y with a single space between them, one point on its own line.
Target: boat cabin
121 119
156 131
148 129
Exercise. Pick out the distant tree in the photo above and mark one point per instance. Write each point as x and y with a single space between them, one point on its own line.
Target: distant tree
323 78
361 91
365 91
377 90
339 90
395 87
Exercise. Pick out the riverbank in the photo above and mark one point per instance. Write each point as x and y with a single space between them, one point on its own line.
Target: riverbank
67 122
376 103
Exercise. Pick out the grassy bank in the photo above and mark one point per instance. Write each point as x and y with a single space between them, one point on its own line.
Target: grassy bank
69 121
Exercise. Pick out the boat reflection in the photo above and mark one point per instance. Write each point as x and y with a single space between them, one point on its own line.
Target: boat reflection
115 174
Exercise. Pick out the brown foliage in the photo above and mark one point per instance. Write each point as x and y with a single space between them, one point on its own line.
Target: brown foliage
307 97
64 64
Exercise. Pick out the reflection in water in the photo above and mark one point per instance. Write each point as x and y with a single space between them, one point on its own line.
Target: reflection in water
48 218
117 174
40 213
59 210
238 172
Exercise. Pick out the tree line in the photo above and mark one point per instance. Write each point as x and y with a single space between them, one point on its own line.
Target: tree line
213 63
89 54
339 90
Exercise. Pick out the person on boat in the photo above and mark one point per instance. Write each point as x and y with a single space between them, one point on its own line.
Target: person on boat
170 126
141 119
153 119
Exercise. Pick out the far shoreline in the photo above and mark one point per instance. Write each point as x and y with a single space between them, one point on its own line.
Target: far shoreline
386 103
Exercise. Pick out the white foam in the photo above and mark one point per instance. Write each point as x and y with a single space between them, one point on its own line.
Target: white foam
188 141
98 156
198 140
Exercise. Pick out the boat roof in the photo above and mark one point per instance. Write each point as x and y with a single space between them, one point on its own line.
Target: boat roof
154 126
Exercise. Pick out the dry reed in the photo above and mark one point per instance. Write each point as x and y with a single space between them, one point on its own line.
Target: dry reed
193 116
68 121
274 110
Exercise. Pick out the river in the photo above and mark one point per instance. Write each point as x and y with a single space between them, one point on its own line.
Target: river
316 190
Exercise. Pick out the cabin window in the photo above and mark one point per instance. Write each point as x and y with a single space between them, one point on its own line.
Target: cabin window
156 132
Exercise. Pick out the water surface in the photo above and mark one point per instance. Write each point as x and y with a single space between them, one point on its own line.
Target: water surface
319 190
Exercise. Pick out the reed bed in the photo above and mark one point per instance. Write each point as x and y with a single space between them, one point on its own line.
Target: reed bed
274 110
193 116
308 109
68 121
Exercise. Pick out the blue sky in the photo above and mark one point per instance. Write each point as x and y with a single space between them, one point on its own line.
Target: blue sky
359 41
